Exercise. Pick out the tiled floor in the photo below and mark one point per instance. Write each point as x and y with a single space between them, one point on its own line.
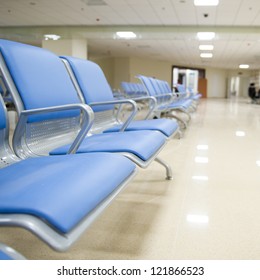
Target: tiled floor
210 210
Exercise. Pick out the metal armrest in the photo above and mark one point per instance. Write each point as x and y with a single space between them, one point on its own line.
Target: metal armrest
153 104
121 101
87 121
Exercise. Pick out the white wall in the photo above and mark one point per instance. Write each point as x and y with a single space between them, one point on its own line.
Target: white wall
121 71
148 67
217 83
73 47
107 65
126 69
244 77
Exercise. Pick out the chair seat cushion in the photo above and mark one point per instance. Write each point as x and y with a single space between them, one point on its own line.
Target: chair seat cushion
197 96
143 144
166 126
182 104
61 189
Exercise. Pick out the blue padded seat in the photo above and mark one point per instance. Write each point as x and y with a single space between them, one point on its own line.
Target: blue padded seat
95 88
165 126
185 104
134 142
61 190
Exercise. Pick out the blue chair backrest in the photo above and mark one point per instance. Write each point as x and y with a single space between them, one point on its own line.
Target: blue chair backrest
147 83
49 83
37 78
92 82
156 86
126 87
167 87
181 88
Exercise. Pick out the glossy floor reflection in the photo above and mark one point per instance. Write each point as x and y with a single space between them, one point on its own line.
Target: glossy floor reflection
208 211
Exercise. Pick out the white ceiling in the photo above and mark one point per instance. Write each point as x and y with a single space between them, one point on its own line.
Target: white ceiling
166 29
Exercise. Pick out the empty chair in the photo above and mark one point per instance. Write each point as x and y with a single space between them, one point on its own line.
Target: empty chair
94 89
49 111
195 96
166 101
58 197
132 90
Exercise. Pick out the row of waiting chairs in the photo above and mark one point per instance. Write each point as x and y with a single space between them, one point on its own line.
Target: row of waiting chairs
132 90
70 154
168 101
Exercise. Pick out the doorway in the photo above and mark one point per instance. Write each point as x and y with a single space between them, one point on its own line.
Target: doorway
193 78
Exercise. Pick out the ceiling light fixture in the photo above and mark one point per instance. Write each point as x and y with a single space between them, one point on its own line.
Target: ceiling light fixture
206 2
200 178
202 147
244 66
206 55
240 133
205 36
51 37
206 47
201 159
126 34
198 219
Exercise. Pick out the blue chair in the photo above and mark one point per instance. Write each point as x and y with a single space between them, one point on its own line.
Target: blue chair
51 115
94 89
57 198
133 90
167 102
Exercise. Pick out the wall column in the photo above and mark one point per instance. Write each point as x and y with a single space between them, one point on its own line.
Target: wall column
72 47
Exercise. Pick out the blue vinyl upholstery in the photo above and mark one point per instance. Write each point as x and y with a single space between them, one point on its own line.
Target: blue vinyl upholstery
92 82
166 126
95 88
40 81
61 190
55 196
121 142
154 89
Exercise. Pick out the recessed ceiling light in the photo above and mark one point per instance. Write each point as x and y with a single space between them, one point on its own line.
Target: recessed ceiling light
200 178
198 219
126 34
243 66
206 55
201 159
202 147
206 35
240 133
206 2
51 37
206 47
